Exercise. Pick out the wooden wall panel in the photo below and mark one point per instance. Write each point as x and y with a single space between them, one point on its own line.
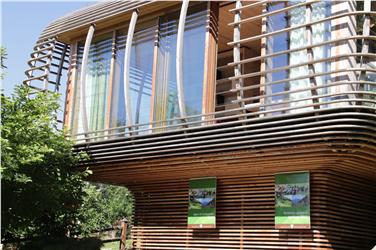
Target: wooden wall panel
342 215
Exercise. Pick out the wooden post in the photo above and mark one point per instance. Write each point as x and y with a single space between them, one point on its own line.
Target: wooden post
70 91
48 65
310 56
238 83
365 46
110 83
154 75
60 69
123 237
210 65
264 78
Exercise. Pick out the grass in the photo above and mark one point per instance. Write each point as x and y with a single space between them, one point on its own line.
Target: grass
110 245
115 245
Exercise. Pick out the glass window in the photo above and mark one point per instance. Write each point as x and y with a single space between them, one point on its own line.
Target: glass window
140 80
295 39
105 103
166 98
97 81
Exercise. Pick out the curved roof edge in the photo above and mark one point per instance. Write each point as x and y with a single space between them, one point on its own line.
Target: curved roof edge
90 14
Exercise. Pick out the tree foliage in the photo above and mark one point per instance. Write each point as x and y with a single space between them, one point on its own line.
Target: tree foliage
3 57
41 189
43 194
103 206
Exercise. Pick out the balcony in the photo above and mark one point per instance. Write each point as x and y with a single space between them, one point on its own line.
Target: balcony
243 77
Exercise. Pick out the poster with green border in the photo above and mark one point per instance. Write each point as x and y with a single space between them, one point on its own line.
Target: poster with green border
202 199
292 201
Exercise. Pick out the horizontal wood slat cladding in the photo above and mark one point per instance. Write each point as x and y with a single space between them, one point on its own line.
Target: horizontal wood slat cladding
341 129
342 215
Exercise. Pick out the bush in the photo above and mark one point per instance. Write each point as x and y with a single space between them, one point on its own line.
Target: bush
41 187
63 244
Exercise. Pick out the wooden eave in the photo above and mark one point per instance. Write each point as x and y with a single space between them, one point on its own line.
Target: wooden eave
105 15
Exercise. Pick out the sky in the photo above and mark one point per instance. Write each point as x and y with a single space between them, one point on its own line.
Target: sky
21 24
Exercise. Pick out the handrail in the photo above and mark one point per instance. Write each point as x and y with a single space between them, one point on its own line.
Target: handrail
308 89
227 111
123 133
250 117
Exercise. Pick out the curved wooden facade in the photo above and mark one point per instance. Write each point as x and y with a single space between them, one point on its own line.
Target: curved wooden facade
245 215
281 106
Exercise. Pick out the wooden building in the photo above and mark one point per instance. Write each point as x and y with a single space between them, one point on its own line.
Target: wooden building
160 93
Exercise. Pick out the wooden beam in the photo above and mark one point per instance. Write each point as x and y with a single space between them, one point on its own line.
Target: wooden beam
365 42
154 73
111 81
310 55
210 64
71 83
263 60
238 82
60 68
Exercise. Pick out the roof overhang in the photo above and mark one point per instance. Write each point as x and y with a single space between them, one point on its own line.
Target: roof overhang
103 14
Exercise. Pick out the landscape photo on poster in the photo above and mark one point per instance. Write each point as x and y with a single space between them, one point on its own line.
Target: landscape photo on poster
292 200
202 203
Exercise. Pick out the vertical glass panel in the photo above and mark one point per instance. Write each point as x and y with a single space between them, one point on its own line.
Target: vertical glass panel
97 81
140 80
166 98
298 38
141 69
371 88
117 116
276 44
320 33
295 80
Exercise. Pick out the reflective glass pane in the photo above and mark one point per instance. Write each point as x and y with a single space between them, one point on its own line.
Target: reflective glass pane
97 81
140 80
166 96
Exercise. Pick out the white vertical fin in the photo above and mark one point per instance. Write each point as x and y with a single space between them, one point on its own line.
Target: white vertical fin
85 59
179 58
127 61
